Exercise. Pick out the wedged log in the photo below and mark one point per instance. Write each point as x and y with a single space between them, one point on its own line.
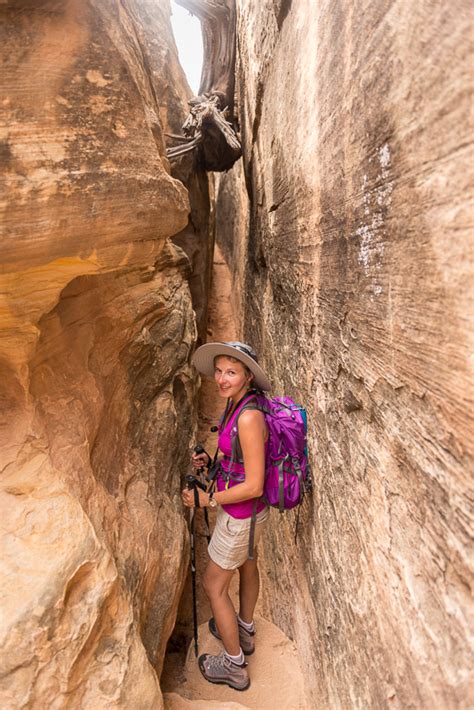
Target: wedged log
207 132
220 145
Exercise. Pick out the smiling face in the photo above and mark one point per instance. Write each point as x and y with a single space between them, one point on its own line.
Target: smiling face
232 377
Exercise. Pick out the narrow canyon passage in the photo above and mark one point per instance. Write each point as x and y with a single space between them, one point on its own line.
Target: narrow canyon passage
221 326
275 668
313 200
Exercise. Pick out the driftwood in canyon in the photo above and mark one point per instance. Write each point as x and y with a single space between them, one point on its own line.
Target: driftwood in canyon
207 129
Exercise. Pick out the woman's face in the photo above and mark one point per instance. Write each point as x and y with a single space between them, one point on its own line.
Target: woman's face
231 377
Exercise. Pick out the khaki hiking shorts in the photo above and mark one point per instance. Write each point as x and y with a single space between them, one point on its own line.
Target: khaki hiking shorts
229 546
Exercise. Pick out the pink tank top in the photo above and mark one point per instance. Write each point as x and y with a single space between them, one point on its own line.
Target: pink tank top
244 508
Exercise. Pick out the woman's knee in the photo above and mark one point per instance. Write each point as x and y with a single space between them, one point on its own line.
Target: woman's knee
208 584
215 584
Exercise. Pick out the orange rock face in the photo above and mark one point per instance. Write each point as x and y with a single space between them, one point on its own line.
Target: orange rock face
355 281
96 327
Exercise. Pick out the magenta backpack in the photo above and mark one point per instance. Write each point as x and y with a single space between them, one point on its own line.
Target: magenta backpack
287 473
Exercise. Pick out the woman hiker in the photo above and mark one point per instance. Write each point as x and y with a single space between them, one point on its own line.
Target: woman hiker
239 483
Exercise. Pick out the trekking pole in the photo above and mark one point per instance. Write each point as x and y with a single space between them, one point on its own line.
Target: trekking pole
191 485
199 449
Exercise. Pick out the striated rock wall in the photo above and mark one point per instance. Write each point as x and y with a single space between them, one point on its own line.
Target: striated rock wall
350 251
96 393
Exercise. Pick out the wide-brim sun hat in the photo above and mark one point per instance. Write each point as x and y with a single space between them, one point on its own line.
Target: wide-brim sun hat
203 360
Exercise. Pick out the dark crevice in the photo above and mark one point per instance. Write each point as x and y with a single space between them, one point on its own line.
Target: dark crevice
281 8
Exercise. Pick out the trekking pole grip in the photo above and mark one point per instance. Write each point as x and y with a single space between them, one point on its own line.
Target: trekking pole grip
199 449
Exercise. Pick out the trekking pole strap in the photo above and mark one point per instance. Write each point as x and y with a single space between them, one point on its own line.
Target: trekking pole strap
208 529
253 523
281 487
299 473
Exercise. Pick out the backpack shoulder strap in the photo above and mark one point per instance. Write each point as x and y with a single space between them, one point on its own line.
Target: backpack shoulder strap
236 448
250 404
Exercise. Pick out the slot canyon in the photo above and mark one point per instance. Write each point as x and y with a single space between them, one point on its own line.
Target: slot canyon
330 230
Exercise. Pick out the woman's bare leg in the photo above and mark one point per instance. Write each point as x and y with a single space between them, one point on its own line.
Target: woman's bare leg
249 588
216 585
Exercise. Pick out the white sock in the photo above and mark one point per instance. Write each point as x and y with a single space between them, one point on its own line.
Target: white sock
248 627
238 660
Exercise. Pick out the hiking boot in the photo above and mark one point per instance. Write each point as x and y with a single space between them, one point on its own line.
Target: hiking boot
221 670
246 638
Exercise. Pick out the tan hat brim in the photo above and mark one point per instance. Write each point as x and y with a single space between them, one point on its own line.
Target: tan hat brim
203 361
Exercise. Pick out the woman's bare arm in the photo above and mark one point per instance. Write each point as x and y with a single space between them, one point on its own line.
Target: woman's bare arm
252 436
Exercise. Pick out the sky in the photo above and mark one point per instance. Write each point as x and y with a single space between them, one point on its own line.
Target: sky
187 34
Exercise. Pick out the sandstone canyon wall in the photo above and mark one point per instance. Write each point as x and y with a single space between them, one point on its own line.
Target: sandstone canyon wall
347 236
96 393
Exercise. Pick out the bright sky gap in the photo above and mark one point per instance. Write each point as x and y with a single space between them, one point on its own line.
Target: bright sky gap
188 38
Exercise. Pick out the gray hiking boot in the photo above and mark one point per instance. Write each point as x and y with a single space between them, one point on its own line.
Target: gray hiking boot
220 669
246 638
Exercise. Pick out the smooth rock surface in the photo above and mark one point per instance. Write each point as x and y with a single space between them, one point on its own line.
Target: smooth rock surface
96 319
347 235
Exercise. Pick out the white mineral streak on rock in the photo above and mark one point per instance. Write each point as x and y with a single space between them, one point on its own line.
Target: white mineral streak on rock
384 156
372 234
